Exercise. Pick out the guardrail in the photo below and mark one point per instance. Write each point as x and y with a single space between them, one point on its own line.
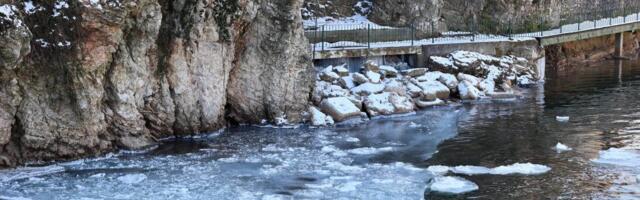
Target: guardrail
568 20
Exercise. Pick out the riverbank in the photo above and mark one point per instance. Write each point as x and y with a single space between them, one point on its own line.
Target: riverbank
382 90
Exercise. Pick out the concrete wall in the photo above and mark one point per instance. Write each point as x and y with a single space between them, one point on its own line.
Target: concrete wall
528 49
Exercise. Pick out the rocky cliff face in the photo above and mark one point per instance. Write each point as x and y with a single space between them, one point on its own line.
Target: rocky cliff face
81 78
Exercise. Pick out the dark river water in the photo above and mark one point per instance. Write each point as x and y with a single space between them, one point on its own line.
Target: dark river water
386 158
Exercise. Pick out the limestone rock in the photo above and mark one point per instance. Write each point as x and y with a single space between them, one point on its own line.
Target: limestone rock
468 91
379 104
368 89
359 78
425 104
469 78
432 90
341 70
415 72
371 66
339 108
373 76
388 71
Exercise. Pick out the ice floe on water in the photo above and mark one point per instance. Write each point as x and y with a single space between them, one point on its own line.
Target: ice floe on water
620 157
452 185
562 118
517 168
132 178
370 150
562 148
28 172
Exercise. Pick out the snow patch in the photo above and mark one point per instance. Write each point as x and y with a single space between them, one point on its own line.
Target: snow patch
452 185
562 148
132 178
620 157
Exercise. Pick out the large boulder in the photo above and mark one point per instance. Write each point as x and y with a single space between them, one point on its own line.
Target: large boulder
368 89
469 78
395 86
371 65
415 72
388 71
339 108
432 90
379 104
425 104
346 82
318 118
468 91
429 76
359 78
449 80
341 70
402 104
374 77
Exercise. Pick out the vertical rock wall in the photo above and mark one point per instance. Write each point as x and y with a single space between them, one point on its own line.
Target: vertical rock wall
80 78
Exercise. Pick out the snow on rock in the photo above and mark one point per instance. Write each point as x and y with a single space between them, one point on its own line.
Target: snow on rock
359 78
9 15
470 78
339 108
562 118
487 85
402 104
521 168
470 170
526 80
562 148
452 185
374 77
396 87
388 71
329 76
346 82
468 59
369 150
620 157
443 64
429 76
341 70
371 66
318 118
415 72
368 89
426 104
379 104
132 178
413 90
328 90
449 80
468 91
432 90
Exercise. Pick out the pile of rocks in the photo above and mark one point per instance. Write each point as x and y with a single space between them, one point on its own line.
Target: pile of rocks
382 90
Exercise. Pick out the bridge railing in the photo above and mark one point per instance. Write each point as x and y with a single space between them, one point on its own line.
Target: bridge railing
567 19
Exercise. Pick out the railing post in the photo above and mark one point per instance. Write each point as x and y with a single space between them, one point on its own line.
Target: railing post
474 29
433 34
510 30
322 40
540 26
624 11
412 27
368 37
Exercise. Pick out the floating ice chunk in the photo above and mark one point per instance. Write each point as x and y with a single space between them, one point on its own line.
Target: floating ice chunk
470 170
369 150
562 118
621 157
452 185
438 170
561 148
132 178
352 139
98 175
28 172
521 168
348 186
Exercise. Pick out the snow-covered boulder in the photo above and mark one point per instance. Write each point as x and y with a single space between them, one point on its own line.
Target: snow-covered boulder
359 78
449 80
425 104
470 78
330 90
368 89
318 118
466 60
329 76
442 64
388 71
429 76
413 90
526 80
356 101
415 72
379 104
487 85
374 77
432 90
402 104
342 70
371 66
346 82
468 91
395 86
339 108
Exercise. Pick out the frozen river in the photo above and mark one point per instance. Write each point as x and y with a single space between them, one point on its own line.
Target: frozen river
388 158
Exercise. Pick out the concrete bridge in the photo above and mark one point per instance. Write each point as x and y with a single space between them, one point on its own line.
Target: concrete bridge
365 41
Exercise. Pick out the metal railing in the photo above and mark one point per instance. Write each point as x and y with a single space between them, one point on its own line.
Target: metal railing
568 19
